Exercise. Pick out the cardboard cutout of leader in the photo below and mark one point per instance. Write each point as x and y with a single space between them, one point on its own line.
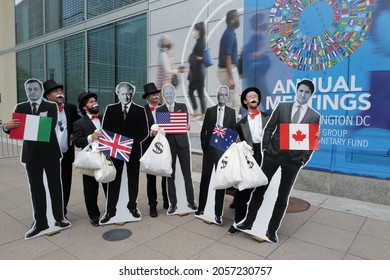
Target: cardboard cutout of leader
127 119
211 201
173 117
289 161
35 121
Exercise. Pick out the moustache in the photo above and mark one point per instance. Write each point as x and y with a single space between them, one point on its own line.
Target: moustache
253 100
155 97
95 105
60 96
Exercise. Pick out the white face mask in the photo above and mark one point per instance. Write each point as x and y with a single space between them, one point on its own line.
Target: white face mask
195 35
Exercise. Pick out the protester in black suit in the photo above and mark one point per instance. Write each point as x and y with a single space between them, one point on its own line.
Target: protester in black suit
152 94
216 115
180 148
250 129
128 119
39 157
67 115
290 162
85 131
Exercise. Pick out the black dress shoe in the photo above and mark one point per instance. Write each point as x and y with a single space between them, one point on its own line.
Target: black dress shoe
232 230
199 212
153 212
36 230
272 237
172 209
95 222
135 213
218 220
106 218
193 205
62 223
244 226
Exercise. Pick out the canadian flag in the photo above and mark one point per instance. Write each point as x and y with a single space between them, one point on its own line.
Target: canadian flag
299 136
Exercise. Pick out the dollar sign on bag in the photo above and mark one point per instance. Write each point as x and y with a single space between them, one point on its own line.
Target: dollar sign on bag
224 163
159 148
250 163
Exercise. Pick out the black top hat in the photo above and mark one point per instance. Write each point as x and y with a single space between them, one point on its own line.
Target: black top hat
150 88
49 86
245 92
84 96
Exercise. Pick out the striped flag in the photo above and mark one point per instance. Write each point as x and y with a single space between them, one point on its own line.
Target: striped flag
32 128
298 136
115 145
172 122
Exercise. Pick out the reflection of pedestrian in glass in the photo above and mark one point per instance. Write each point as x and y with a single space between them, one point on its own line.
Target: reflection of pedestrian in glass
166 71
228 57
196 74
254 58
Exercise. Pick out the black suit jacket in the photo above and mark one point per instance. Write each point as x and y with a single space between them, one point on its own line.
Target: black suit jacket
81 129
181 139
244 131
136 125
71 117
46 151
271 136
229 121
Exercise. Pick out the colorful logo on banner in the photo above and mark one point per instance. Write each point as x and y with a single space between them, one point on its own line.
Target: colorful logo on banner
300 49
115 145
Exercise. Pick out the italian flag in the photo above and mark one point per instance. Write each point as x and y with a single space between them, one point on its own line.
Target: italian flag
299 136
32 128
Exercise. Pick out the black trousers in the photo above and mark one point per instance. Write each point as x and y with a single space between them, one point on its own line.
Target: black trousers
66 178
151 190
241 198
35 170
91 193
210 161
132 184
200 88
288 176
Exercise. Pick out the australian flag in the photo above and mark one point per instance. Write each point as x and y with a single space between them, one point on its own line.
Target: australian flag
115 145
222 138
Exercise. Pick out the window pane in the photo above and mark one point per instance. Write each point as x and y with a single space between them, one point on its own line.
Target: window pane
98 7
101 69
131 60
74 49
29 64
55 61
29 20
61 13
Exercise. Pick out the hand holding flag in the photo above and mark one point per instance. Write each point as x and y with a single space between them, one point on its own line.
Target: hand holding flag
222 138
32 128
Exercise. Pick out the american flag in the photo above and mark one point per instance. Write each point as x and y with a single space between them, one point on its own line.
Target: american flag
222 138
172 122
115 145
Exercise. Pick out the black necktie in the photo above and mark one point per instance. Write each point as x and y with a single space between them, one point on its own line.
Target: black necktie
125 112
34 111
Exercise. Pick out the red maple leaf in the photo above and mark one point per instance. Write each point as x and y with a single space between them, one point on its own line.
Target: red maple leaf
299 136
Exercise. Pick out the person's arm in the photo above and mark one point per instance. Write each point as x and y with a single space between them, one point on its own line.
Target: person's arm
7 126
228 63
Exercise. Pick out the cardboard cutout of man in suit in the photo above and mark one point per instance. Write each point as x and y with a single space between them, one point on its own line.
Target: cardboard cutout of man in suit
41 158
290 161
67 115
152 96
180 148
85 131
225 116
128 119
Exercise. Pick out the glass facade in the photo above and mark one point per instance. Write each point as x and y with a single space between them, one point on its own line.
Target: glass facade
94 60
98 7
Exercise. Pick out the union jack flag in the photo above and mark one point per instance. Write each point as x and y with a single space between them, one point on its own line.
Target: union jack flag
222 138
115 145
